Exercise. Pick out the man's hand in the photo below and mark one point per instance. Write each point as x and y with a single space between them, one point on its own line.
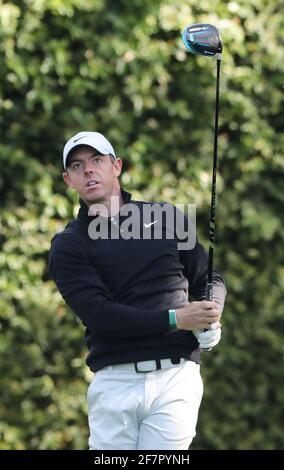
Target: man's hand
198 315
210 338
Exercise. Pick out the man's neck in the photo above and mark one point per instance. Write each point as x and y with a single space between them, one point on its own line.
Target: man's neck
106 207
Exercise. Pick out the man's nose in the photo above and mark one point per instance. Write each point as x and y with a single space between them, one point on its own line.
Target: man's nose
89 167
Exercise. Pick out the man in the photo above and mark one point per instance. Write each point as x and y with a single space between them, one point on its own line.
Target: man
131 293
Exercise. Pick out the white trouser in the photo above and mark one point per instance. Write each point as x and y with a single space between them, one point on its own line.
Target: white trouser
152 411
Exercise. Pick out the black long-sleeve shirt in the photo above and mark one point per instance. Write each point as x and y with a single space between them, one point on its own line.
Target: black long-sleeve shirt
122 288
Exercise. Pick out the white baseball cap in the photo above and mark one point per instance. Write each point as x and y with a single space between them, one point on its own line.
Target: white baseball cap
93 139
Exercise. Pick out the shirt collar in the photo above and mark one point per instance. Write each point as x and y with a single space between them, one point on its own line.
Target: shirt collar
84 209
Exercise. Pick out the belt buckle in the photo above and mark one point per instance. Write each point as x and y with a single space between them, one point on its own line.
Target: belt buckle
141 371
158 367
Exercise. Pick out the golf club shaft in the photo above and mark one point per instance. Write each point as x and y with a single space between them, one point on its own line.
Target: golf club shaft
209 289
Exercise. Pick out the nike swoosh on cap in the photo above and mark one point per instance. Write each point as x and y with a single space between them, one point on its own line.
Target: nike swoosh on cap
76 140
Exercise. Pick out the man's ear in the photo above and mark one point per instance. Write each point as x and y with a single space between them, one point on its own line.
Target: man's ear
67 179
117 167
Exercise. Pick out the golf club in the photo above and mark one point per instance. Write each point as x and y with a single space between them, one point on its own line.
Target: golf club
204 39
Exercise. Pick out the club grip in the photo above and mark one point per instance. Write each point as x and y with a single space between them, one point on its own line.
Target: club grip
209 296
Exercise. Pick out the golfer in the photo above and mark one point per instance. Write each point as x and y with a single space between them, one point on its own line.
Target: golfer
141 299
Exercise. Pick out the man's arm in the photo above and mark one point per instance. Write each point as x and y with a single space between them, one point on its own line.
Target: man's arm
195 264
195 267
83 290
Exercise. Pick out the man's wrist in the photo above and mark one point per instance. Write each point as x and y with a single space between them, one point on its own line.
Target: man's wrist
179 318
172 319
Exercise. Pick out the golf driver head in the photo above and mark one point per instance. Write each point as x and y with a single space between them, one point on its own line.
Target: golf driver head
202 39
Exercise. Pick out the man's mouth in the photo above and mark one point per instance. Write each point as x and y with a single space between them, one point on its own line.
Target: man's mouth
92 183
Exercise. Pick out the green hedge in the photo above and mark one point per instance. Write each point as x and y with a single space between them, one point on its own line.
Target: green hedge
121 68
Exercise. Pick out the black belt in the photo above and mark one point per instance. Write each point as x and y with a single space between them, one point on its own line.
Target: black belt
159 363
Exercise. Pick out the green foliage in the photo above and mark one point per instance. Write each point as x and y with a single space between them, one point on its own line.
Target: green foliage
121 68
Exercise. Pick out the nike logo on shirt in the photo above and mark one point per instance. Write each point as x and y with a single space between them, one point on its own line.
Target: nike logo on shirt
149 225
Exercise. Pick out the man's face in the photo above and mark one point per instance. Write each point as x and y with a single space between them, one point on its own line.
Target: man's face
92 175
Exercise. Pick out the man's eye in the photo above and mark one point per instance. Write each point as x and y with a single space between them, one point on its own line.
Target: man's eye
97 160
76 166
